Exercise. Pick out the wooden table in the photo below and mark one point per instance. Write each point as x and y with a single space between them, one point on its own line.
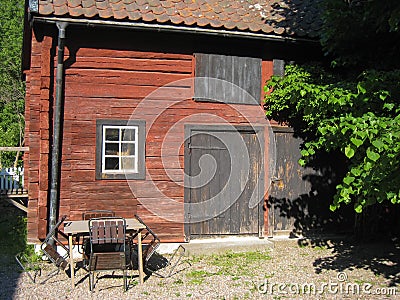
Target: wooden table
81 227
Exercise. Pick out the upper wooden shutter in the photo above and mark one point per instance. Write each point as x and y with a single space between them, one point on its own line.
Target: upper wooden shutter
240 79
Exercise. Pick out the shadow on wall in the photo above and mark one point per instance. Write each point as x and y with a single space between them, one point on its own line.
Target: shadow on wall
309 213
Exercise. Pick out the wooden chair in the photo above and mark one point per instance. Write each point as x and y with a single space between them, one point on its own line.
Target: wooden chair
49 248
150 241
85 245
107 247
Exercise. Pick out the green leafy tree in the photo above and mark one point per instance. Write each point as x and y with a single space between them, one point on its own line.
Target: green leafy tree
360 118
362 33
11 85
352 106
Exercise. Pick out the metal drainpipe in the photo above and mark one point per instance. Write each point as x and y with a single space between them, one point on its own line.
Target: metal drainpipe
55 151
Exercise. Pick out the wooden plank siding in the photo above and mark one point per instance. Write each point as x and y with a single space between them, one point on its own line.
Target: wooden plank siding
243 72
103 83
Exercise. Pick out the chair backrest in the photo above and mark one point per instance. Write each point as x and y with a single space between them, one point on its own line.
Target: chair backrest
110 230
97 213
50 243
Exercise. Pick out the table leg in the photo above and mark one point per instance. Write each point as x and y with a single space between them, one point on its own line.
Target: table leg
140 258
71 261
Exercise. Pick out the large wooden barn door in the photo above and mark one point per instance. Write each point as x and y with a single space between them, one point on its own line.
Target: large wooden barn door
221 183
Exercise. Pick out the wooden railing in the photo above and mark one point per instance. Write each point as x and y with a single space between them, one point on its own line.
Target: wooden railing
12 181
12 187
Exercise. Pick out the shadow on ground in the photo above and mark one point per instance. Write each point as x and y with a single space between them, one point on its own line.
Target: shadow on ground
382 258
12 232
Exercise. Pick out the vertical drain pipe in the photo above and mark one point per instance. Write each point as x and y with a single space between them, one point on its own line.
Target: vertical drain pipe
55 151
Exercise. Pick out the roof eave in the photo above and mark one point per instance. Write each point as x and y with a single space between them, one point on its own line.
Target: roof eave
171 28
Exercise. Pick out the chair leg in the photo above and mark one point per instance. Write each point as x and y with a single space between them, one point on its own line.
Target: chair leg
173 262
21 260
125 281
91 279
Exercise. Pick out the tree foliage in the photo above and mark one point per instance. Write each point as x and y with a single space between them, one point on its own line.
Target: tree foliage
11 85
362 33
353 105
361 118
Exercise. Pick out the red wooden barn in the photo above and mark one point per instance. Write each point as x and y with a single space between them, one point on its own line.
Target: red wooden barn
154 107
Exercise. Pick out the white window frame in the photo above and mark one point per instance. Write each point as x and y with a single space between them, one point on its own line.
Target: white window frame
119 155
139 173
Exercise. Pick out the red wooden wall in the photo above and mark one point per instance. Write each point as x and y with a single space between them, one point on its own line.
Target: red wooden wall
109 84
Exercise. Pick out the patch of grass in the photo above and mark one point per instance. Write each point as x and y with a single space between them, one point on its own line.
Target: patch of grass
247 256
196 281
197 276
233 264
238 263
303 244
361 282
133 283
236 284
267 276
254 287
320 248
198 273
178 281
177 294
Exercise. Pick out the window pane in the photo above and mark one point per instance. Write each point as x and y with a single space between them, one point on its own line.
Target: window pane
128 163
112 149
128 134
112 163
128 149
112 134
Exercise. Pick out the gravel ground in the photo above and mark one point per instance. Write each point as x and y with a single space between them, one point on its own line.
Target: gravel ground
333 269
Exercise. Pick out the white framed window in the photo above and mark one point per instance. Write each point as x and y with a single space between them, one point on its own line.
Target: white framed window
120 149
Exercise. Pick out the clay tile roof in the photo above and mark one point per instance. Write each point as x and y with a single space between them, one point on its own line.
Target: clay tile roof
60 10
75 11
292 18
59 2
102 5
73 3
